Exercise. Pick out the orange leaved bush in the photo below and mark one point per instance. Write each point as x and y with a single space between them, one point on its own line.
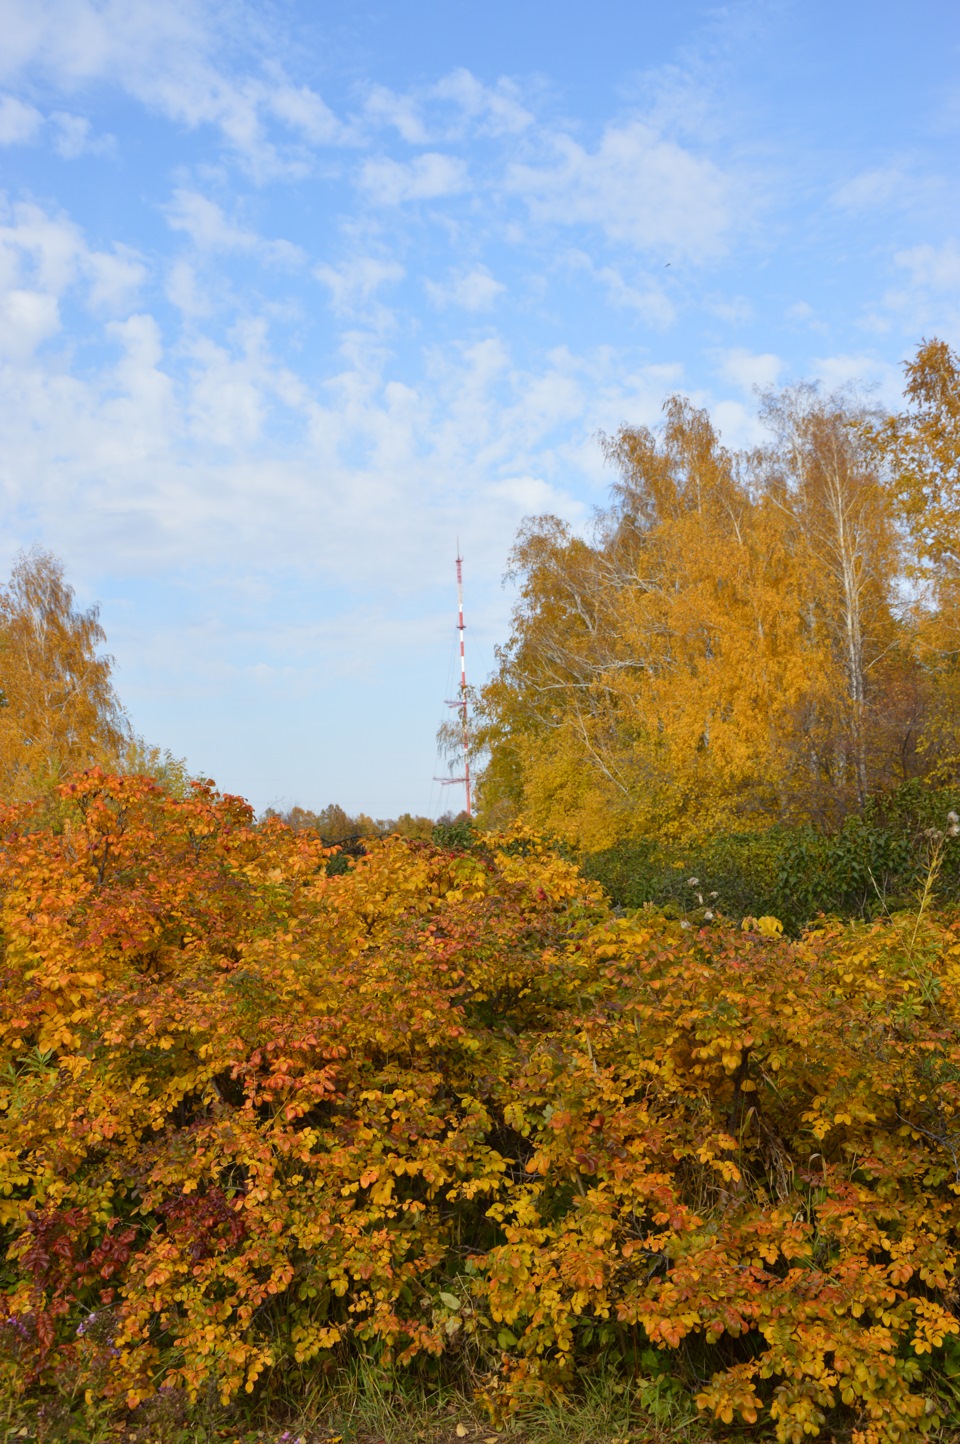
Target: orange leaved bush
447 1107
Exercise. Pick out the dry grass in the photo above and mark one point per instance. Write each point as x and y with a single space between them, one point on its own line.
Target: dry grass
368 1408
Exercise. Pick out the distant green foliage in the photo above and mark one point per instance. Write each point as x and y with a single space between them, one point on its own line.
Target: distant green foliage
142 759
872 864
456 833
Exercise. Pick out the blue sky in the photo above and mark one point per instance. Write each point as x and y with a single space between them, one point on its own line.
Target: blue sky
293 294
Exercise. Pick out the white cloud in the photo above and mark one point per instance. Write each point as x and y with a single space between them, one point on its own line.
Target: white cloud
356 282
19 122
167 462
44 257
115 278
737 424
801 313
303 110
474 290
649 300
169 57
46 247
428 177
927 298
900 185
73 137
645 294
493 110
879 378
748 370
935 268
185 290
641 189
872 189
531 495
402 112
210 230
27 319
227 402
735 309
423 115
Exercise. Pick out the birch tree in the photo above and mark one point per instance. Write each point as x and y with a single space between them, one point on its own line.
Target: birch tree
60 712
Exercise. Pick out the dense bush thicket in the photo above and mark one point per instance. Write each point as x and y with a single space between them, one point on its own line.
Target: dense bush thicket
873 864
447 1111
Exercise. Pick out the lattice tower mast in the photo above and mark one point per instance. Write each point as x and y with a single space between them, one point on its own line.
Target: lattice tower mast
460 704
464 719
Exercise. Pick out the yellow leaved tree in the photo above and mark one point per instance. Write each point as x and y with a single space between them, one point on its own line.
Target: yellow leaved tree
59 710
921 448
725 650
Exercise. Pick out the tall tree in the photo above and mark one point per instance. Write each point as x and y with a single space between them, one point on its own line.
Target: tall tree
60 712
920 446
651 670
727 648
825 477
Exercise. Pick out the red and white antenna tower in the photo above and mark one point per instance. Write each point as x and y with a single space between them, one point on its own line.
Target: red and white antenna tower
460 704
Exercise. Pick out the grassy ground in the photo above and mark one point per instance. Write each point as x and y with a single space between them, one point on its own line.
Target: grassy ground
365 1409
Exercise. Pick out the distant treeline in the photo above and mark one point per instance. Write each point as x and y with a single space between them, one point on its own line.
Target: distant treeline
335 825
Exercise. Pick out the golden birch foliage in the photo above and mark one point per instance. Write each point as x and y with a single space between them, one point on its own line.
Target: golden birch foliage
59 709
723 653
256 1118
825 477
921 448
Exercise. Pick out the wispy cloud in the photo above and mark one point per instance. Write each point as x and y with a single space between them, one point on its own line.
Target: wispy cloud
74 136
903 185
427 177
648 299
19 122
748 370
354 283
872 374
489 109
453 108
46 254
403 113
169 57
210 229
28 319
926 295
642 189
474 290
935 268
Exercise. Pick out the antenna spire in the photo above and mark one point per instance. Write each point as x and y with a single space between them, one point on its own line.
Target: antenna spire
461 702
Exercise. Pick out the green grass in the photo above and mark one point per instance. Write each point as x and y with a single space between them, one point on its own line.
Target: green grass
364 1405
368 1407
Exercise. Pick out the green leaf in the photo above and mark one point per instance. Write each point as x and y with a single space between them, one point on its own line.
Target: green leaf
451 1301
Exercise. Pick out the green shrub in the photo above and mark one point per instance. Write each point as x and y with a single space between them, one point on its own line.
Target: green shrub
871 865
